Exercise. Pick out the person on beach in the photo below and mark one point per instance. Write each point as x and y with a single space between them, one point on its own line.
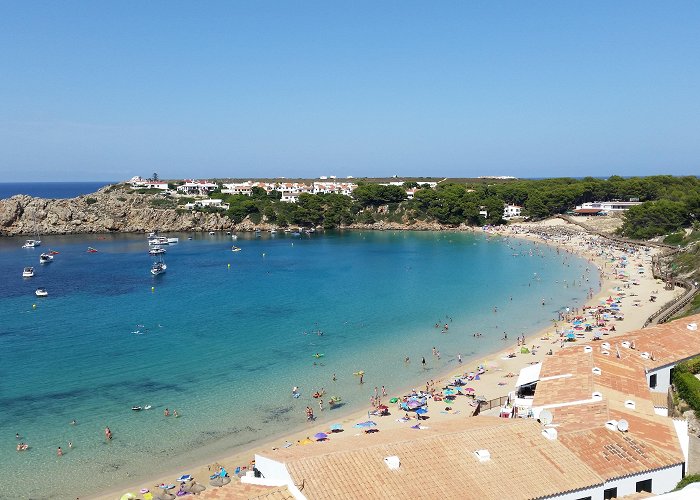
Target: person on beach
166 412
423 362
59 452
383 392
108 434
459 358
407 360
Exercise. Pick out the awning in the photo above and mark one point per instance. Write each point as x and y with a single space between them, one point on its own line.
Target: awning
528 375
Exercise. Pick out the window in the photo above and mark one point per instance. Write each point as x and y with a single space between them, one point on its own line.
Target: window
644 486
610 493
652 381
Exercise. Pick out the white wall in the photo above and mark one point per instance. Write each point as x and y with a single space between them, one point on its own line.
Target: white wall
663 379
662 480
681 427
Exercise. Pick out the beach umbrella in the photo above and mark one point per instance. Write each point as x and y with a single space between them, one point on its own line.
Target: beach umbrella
414 404
336 427
184 478
382 407
469 389
305 441
366 425
421 411
448 392
319 436
570 336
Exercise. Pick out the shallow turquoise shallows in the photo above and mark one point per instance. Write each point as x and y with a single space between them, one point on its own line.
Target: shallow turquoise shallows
222 337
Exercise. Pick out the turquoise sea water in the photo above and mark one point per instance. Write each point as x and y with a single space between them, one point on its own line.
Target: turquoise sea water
225 345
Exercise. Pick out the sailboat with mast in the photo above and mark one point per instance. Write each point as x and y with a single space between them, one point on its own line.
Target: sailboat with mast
32 243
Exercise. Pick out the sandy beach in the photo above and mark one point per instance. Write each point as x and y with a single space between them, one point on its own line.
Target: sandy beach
627 282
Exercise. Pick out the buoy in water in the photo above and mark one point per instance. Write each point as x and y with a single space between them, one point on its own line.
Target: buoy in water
263 254
153 289
229 266
33 306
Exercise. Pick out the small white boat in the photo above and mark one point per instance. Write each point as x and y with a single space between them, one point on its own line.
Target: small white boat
234 237
235 249
172 241
41 292
31 243
45 258
158 240
273 231
28 272
158 268
212 233
156 250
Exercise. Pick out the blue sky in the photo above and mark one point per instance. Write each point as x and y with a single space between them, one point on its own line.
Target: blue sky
107 90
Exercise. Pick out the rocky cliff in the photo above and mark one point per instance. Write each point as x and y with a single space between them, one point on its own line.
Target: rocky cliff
119 209
111 209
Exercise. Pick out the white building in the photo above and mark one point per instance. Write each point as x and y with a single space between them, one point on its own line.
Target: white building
512 211
137 182
209 202
598 400
196 187
596 207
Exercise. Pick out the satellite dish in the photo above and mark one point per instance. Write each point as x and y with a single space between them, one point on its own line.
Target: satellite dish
622 426
546 417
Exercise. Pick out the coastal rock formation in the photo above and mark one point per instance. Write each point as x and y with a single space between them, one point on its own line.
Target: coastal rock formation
120 209
111 209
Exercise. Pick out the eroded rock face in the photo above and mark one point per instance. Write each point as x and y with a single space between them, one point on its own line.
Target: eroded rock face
109 210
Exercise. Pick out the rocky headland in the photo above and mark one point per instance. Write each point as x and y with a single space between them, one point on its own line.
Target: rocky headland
111 209
120 209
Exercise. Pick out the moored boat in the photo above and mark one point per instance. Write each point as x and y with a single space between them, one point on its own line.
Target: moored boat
28 272
158 267
45 258
31 243
156 250
235 249
41 292
91 250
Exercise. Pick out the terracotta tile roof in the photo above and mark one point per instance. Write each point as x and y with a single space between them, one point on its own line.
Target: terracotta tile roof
614 454
666 343
575 372
660 399
438 465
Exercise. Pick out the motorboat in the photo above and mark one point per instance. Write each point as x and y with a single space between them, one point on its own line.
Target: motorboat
45 258
234 237
273 231
31 243
156 250
212 233
172 241
235 249
41 292
28 272
91 250
158 268
158 240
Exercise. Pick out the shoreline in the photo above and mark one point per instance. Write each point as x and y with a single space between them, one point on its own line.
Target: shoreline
490 386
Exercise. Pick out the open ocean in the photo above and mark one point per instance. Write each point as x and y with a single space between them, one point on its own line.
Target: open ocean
224 345
49 189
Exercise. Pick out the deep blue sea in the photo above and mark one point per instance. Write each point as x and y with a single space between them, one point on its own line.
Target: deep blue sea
49 189
222 337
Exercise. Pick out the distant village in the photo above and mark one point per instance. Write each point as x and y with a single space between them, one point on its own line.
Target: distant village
290 192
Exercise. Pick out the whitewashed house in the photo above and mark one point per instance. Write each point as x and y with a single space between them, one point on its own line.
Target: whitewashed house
512 211
209 202
137 182
196 188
